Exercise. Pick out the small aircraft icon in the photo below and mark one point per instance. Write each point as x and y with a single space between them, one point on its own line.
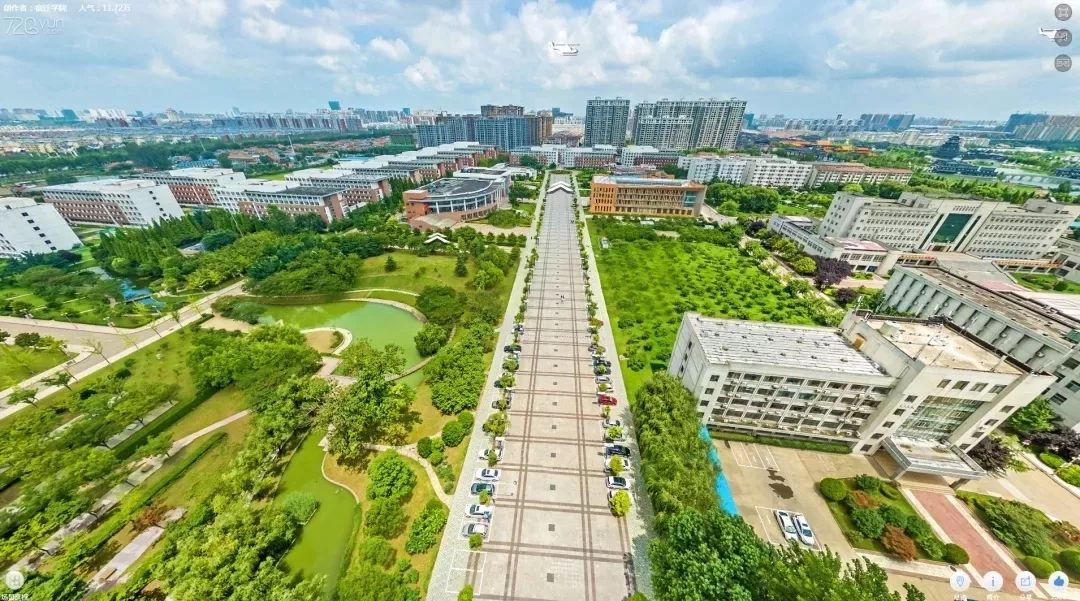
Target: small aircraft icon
1050 33
565 49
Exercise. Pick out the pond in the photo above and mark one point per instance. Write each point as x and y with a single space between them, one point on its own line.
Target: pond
379 323
324 540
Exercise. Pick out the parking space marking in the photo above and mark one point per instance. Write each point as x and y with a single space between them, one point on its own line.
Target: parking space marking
769 524
462 554
754 457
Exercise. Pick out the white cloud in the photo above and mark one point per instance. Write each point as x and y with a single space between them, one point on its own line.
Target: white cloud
395 49
424 74
161 69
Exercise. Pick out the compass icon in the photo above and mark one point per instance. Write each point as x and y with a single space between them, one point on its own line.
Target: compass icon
1063 12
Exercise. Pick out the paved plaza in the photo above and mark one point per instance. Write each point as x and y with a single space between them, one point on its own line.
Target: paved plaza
552 537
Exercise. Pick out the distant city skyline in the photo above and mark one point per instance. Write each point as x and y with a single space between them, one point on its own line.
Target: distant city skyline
781 56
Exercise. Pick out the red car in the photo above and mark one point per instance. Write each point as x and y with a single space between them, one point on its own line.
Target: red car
607 399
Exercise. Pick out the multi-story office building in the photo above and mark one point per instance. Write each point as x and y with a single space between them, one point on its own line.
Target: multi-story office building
191 186
855 173
620 195
647 155
503 131
422 165
1067 258
545 154
605 121
769 171
713 123
357 188
453 199
567 156
328 203
1028 328
1045 128
31 228
983 228
137 202
923 391
862 255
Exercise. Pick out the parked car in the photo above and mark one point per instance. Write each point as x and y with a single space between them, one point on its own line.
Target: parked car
483 512
510 348
618 483
603 379
625 463
488 474
479 487
519 328
612 423
806 535
616 449
606 399
787 525
601 361
484 454
474 528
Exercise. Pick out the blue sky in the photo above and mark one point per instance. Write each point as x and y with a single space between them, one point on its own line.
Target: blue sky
971 59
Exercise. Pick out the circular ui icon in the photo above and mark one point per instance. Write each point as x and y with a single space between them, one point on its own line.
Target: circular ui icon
1063 62
1063 37
1025 582
960 581
14 580
1063 12
992 581
1058 582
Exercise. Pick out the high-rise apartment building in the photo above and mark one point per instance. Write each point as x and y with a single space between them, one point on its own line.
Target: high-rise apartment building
885 122
984 228
712 123
855 173
28 227
605 121
501 131
1048 128
507 110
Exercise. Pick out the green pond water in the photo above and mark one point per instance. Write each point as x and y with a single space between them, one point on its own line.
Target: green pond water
379 323
324 540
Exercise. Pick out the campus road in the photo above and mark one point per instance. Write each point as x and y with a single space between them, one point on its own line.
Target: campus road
552 536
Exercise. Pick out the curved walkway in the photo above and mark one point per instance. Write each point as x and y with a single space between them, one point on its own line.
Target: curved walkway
346 337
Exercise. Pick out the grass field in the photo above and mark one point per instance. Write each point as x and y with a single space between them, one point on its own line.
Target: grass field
649 285
1044 282
413 272
17 363
222 404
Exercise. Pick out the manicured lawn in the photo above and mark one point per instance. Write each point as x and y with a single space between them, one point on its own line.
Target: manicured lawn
413 272
222 404
17 363
1042 282
841 511
324 541
649 285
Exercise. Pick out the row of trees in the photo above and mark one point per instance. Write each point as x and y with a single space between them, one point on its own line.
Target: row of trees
702 553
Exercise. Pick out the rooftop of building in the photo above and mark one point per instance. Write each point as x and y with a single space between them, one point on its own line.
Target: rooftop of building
831 166
937 345
484 171
197 172
109 185
453 186
646 182
319 191
857 244
16 202
778 345
1013 306
258 185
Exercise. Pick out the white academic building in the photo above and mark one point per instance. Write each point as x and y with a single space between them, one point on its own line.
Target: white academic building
133 202
765 171
923 391
1041 330
28 227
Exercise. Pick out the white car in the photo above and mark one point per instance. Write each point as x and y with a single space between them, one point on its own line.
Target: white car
483 512
603 379
618 483
488 474
626 465
806 535
612 423
474 528
787 525
484 454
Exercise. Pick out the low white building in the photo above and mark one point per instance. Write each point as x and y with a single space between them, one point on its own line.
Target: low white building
862 255
28 227
766 171
924 392
135 202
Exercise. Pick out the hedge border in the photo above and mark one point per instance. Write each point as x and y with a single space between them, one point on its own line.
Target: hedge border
776 441
175 413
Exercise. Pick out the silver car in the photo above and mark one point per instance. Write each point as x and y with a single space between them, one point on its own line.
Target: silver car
787 525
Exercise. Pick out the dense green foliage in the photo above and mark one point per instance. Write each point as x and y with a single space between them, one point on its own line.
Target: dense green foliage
266 354
389 476
425 529
1027 531
385 517
833 489
376 550
457 373
430 339
1036 416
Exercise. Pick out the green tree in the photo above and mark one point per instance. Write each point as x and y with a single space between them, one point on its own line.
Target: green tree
620 503
385 517
804 265
1036 416
466 592
390 476
460 268
391 264
430 339
60 378
22 395
373 408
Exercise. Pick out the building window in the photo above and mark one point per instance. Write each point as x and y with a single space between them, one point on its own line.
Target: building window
1074 386
943 384
978 387
866 448
714 378
962 384
877 436
991 423
888 424
709 391
703 403
996 388
1057 399
898 412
